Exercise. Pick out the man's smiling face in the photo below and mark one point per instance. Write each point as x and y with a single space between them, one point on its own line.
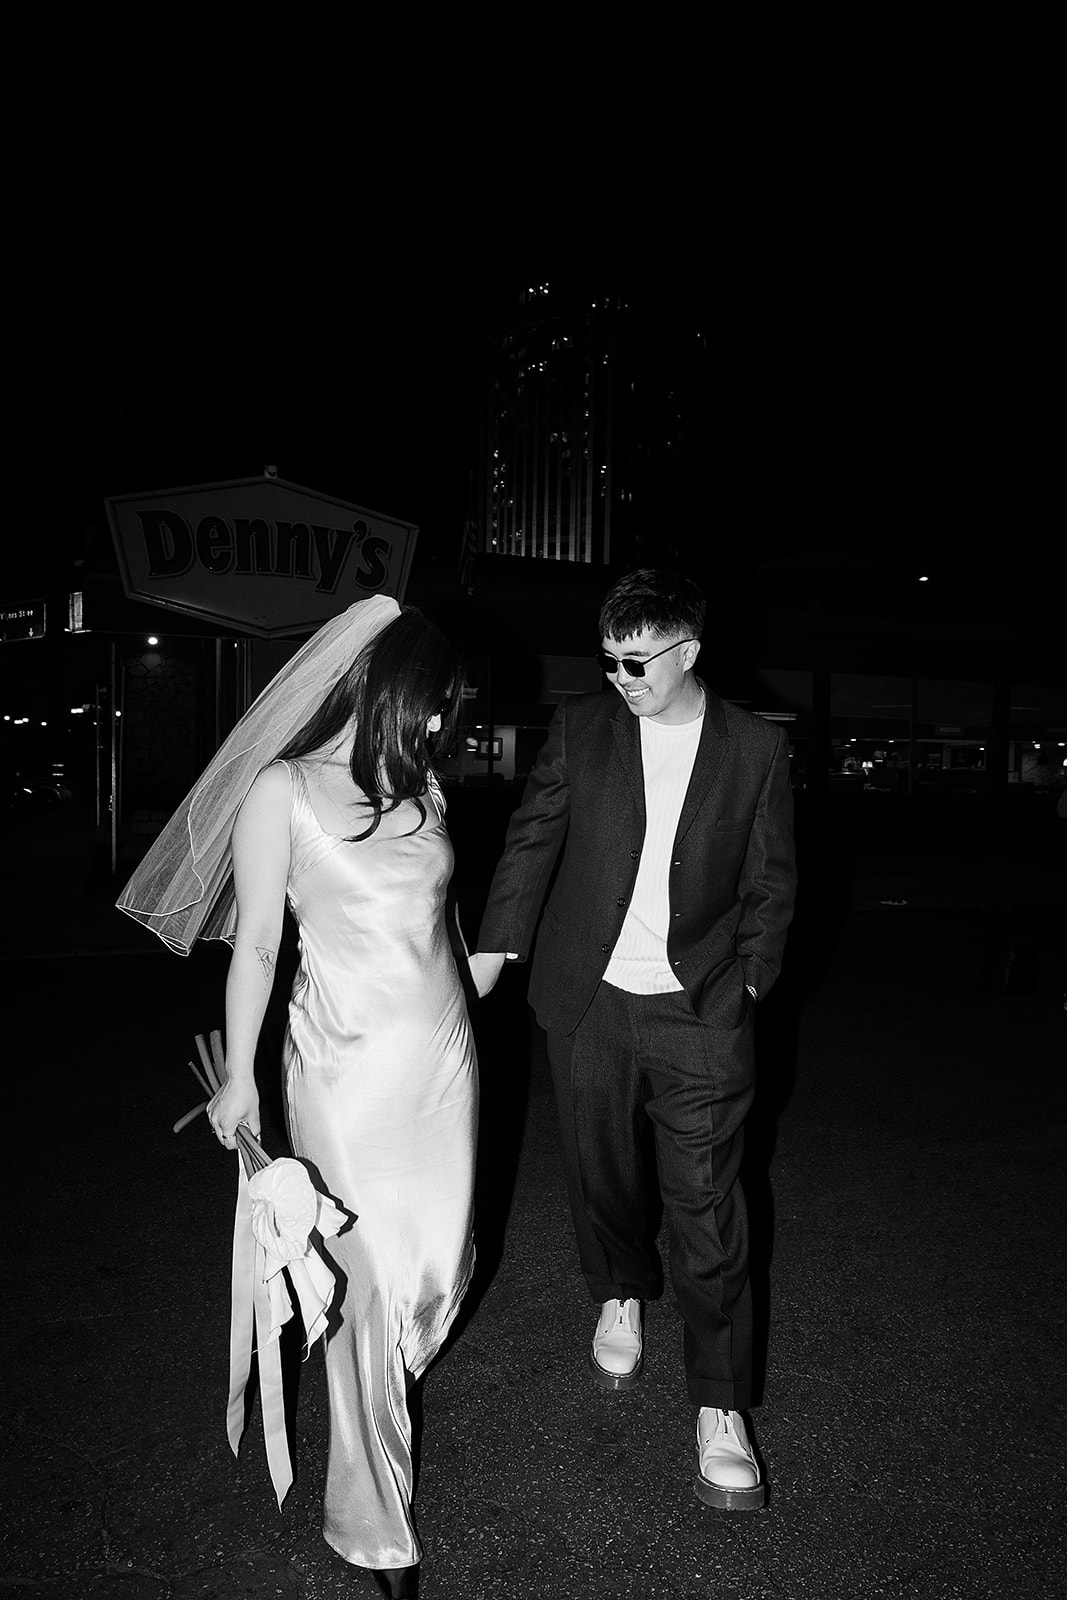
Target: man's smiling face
667 691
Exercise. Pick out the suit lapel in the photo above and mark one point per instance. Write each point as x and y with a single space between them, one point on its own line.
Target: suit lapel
628 754
709 756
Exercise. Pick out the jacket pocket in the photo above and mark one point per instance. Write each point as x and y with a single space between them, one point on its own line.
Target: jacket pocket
724 1000
734 824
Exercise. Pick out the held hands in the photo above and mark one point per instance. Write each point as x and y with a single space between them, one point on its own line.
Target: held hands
485 970
237 1101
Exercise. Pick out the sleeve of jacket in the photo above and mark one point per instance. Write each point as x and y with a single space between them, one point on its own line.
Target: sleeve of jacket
534 840
768 877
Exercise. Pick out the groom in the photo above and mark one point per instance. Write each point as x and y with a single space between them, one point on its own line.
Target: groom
670 814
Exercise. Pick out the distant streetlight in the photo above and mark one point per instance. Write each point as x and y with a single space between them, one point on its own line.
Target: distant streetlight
152 639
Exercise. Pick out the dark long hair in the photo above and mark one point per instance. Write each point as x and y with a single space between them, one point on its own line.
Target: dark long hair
406 674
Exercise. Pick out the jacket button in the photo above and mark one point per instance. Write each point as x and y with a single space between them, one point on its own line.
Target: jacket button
634 854
677 863
621 901
606 949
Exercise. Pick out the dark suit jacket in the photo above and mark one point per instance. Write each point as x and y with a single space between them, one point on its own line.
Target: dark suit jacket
732 869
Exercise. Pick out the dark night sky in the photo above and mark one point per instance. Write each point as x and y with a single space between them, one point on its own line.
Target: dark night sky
868 208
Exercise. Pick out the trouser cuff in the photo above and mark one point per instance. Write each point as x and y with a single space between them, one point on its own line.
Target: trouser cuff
619 1291
723 1396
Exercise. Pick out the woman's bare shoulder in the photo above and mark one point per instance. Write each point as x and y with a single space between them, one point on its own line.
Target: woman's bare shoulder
271 793
275 781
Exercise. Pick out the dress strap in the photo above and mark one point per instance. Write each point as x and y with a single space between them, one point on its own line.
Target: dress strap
299 794
437 794
296 776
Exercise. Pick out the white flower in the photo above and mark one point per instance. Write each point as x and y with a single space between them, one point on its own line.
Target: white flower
285 1208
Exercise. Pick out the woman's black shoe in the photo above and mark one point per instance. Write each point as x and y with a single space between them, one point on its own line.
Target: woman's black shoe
399 1583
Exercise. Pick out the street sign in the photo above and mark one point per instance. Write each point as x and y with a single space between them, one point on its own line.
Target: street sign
23 622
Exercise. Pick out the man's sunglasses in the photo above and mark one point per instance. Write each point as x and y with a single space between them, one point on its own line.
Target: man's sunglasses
634 668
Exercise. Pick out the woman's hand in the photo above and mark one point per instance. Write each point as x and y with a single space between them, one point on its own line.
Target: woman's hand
486 968
237 1101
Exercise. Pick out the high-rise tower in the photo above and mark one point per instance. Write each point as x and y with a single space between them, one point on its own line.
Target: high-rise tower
593 418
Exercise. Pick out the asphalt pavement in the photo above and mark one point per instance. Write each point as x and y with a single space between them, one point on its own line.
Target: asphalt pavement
905 1174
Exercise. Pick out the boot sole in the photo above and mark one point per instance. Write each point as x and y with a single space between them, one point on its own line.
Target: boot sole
710 1494
616 1380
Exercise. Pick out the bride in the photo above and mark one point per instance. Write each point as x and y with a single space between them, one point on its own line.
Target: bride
344 820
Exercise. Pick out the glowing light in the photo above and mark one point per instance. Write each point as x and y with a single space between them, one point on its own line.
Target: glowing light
924 579
152 639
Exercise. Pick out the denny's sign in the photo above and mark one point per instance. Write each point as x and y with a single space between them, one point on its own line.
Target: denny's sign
263 555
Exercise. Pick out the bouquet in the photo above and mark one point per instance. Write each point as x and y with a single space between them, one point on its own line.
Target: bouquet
274 1256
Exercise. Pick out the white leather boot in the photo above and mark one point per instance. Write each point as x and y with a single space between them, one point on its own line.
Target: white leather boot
616 1358
728 1477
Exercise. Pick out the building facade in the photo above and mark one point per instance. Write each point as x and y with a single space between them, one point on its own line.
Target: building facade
593 417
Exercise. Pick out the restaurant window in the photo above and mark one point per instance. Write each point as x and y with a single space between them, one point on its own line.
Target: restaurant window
953 733
1037 737
870 721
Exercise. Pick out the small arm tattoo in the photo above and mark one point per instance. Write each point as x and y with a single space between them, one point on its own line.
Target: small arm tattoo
266 960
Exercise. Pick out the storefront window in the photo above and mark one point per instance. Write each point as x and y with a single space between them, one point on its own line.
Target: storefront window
950 763
870 719
953 732
1037 737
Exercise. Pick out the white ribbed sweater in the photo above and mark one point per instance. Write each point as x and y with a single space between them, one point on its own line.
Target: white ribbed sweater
639 960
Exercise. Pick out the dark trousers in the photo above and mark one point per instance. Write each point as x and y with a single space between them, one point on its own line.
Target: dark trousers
638 1060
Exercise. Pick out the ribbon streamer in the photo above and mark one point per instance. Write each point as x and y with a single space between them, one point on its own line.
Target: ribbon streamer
259 1294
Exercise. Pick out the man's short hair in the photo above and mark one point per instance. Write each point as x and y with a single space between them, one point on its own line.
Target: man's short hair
657 601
